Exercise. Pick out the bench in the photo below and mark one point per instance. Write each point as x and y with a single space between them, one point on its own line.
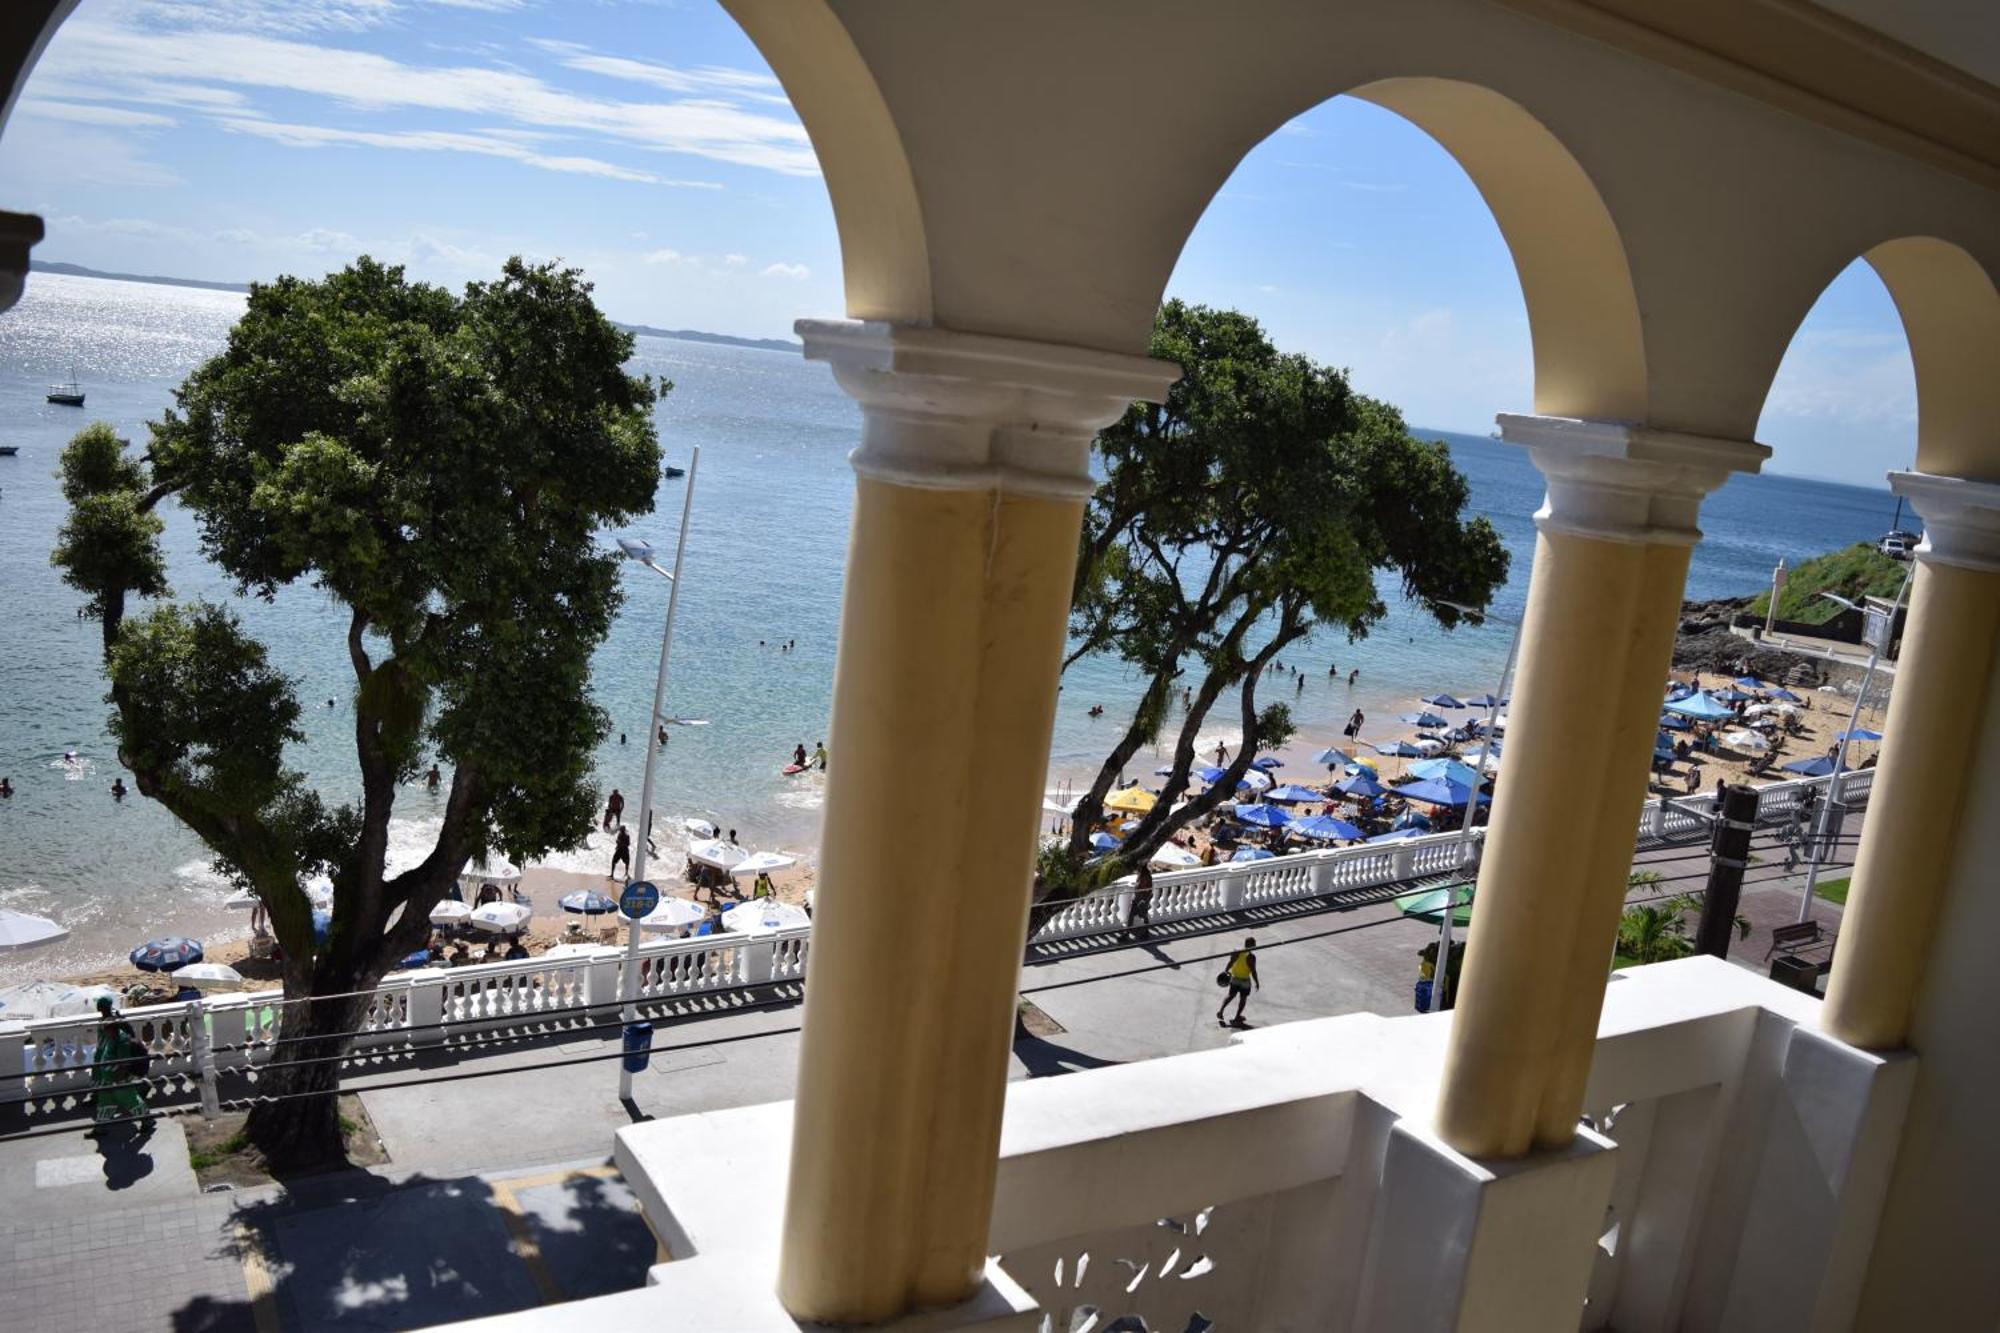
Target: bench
1791 937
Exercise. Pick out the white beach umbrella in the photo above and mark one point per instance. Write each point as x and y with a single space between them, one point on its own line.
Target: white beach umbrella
49 999
18 930
497 870
1257 778
208 976
671 914
759 862
717 853
699 828
1745 739
567 951
501 918
1173 856
761 916
450 912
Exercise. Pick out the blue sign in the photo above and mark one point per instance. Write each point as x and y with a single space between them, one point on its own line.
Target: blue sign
640 897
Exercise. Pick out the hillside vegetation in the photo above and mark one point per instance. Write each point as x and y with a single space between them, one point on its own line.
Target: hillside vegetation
1853 572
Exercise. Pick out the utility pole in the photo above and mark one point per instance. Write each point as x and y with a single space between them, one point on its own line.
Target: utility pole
1729 853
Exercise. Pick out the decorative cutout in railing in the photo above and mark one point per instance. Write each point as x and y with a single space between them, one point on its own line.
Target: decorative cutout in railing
1138 1280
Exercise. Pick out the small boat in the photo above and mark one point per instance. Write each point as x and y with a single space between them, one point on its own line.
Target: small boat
673 471
9 450
67 395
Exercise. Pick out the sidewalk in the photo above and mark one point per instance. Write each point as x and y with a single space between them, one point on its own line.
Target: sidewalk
469 1218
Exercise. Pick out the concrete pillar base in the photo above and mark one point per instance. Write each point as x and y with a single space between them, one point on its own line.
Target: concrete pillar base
1472 1245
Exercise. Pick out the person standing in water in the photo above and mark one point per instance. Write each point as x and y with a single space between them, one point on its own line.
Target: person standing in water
118 789
819 756
1239 976
614 809
799 755
623 854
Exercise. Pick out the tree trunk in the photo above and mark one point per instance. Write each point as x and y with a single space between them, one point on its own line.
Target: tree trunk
301 1128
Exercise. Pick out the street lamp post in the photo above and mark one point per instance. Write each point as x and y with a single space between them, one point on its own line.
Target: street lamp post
642 552
1847 734
1441 973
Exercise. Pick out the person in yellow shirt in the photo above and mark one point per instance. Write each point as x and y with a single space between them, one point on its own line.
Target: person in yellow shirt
1239 976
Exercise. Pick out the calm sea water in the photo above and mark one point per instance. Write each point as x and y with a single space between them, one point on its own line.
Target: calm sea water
764 563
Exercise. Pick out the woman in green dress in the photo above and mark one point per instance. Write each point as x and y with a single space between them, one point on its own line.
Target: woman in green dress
116 1067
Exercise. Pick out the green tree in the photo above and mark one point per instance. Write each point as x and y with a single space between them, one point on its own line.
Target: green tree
437 465
1252 507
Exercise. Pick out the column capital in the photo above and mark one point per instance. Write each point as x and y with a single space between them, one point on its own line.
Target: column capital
946 410
1623 482
1961 518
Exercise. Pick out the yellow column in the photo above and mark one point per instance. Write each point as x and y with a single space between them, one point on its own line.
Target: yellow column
1914 808
1603 602
973 476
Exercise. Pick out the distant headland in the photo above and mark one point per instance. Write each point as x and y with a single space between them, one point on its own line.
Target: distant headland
682 335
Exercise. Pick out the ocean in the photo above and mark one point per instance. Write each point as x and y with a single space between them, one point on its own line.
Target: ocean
765 553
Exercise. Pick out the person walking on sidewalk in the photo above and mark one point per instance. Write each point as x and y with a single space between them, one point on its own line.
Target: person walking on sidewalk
1239 976
1142 902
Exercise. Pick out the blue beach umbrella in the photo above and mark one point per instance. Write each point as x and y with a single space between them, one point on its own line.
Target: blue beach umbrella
1412 821
1262 816
1252 854
1672 723
1481 701
1326 828
1332 757
1267 762
1816 767
1438 791
322 919
1210 773
1103 842
1701 707
1663 746
1450 770
587 902
166 955
1361 786
1291 794
1859 734
1441 701
1422 720
1730 694
1403 834
1750 682
1785 695
421 958
1400 750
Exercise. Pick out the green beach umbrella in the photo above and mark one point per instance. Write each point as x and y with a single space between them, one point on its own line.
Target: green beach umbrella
1428 904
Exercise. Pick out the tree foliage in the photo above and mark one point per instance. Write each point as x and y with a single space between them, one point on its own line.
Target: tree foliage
1253 506
437 465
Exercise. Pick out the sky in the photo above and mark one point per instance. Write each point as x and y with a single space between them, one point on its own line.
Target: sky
646 141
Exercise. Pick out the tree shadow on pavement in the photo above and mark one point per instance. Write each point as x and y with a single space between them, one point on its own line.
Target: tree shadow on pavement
1043 1057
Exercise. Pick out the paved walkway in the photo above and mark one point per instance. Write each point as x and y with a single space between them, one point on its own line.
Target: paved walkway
469 1218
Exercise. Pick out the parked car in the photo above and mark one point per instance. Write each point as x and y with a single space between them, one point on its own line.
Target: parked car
1898 545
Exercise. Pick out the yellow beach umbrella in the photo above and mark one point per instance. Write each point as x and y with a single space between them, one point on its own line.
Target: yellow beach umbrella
1137 800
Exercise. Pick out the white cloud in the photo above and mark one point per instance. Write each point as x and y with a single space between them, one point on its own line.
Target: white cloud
794 271
667 257
702 79
326 239
84 113
433 141
124 49
121 227
1268 287
239 236
736 261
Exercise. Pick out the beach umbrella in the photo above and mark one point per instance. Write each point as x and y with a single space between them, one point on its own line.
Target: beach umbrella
1785 694
501 918
450 912
415 959
761 916
586 902
493 870
1361 786
1448 769
1490 764
1426 720
1292 794
322 924
1750 683
1438 791
207 976
50 999
1441 701
1816 767
716 853
1252 854
1859 734
1403 834
1257 779
165 955
1137 800
1356 767
1663 746
1103 842
1677 691
1209 773
1266 762
758 863
1325 828
1413 821
1483 701
1429 904
699 828
1701 707
1744 739
1051 806
1332 756
1730 694
1400 750
672 914
1173 856
18 930
1262 816
1672 723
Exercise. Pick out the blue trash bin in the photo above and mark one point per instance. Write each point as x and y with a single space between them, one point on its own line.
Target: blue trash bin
638 1047
1423 997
